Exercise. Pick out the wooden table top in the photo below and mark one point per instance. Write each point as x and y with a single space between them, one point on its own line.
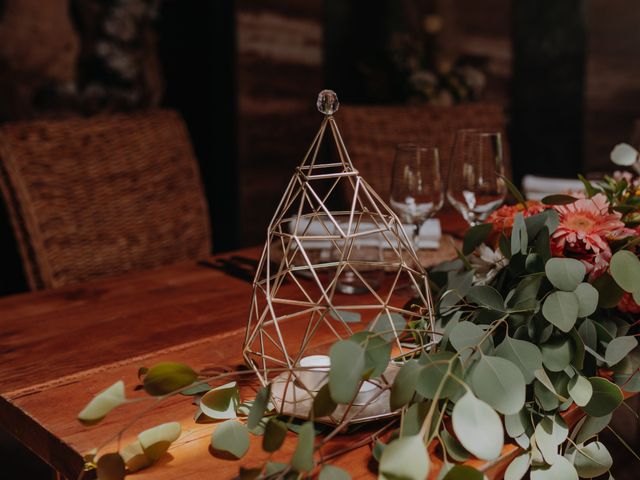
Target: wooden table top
60 347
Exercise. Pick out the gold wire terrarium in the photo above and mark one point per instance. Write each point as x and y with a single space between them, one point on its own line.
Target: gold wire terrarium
298 309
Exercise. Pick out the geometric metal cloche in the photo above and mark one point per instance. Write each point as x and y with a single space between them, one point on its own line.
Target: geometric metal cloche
297 309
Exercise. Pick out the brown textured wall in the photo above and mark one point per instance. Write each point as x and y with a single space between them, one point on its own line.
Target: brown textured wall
279 74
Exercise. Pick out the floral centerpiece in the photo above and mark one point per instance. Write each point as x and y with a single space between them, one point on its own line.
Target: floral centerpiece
532 349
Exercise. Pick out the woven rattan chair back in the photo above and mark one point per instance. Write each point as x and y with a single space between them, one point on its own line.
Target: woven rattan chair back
100 196
372 132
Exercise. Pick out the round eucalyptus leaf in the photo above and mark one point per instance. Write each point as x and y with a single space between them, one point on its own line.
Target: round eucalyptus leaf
565 273
516 424
518 467
592 460
231 436
274 434
377 352
323 404
475 236
550 433
433 373
605 399
609 292
134 457
167 377
561 309
413 418
561 469
102 404
557 354
478 427
463 472
388 325
404 385
464 336
619 348
221 402
302 459
625 270
347 367
454 449
592 426
405 458
331 472
525 355
588 298
111 467
486 296
580 390
500 383
260 404
155 441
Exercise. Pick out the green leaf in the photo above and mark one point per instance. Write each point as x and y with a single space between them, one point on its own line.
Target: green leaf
516 424
453 447
331 472
156 441
413 418
231 436
525 355
605 399
377 352
500 383
167 377
518 467
475 236
588 298
260 405
102 404
388 325
347 367
519 236
405 458
565 273
197 389
589 188
346 316
274 434
558 199
561 309
463 472
561 469
549 434
433 373
273 468
557 354
465 335
404 385
619 348
592 460
592 426
609 291
580 390
323 404
111 467
221 402
625 270
134 457
486 296
302 459
478 427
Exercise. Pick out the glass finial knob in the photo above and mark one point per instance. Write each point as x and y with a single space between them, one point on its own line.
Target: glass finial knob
328 102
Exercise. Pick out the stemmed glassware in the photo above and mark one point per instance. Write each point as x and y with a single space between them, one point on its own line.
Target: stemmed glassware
474 185
416 185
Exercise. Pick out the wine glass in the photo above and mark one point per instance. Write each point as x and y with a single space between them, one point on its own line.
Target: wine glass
416 185
474 186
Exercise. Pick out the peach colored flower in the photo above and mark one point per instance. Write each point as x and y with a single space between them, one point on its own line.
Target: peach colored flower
586 227
502 219
627 304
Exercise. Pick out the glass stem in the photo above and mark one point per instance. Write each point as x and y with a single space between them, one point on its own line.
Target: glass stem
416 236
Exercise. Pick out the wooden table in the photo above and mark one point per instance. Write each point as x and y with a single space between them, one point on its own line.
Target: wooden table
60 347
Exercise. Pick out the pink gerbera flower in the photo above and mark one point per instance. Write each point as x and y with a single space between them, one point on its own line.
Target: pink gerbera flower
585 229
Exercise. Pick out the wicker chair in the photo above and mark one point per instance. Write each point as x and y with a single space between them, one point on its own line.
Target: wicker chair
372 132
100 196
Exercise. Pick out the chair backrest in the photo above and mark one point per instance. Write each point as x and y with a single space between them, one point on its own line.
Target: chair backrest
100 196
371 133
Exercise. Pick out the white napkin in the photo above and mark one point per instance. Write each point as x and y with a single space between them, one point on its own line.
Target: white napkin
430 234
536 188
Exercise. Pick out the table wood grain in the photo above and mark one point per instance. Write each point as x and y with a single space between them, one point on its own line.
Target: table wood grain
60 347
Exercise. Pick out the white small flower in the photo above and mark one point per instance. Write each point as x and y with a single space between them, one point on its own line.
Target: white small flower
487 264
624 154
